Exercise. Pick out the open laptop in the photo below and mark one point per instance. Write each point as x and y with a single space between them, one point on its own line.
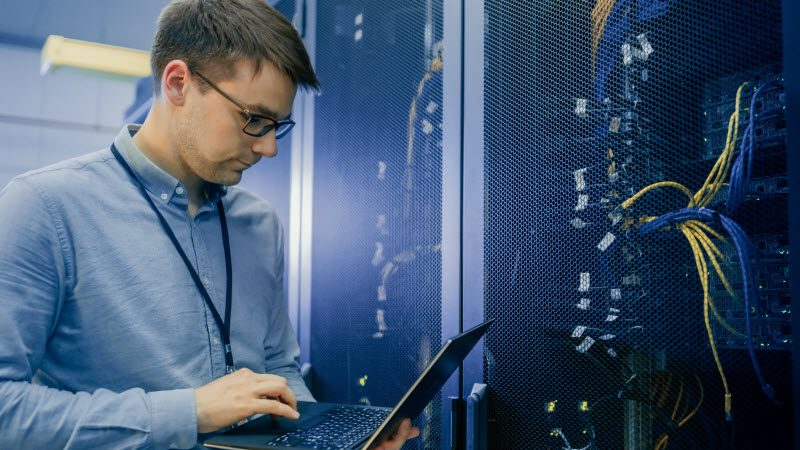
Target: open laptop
337 426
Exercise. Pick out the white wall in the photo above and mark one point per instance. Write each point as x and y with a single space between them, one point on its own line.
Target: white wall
44 119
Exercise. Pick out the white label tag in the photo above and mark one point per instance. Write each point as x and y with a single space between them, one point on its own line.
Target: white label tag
631 280
580 183
627 54
584 282
607 240
614 125
577 223
580 107
583 200
616 294
646 47
578 332
584 304
587 342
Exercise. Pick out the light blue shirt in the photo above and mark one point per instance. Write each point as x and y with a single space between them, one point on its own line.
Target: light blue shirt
103 333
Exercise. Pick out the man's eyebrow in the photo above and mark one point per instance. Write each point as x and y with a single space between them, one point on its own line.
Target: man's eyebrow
264 111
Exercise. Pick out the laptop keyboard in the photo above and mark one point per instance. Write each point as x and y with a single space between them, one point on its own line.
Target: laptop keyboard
342 428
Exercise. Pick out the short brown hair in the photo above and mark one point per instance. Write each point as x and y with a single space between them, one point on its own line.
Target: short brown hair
211 35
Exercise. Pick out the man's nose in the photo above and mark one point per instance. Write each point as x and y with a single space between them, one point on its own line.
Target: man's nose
266 145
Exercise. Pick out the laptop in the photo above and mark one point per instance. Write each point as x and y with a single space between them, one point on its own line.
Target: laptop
349 427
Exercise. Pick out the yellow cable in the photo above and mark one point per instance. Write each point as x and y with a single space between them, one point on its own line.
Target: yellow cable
677 402
602 9
627 203
711 231
711 304
701 269
722 167
699 403
662 441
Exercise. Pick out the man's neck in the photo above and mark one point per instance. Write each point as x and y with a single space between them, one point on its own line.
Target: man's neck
158 148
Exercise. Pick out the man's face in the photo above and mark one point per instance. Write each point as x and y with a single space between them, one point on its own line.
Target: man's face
209 139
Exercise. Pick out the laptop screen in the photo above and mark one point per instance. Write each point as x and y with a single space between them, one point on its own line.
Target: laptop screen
443 365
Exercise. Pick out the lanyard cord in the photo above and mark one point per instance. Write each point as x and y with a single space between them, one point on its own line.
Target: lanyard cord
224 327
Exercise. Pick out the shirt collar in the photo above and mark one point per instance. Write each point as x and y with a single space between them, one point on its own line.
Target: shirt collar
154 179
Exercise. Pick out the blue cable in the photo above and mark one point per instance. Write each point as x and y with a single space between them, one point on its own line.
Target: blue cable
742 245
738 182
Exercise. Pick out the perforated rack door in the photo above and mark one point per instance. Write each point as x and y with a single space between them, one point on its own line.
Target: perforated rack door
600 338
376 275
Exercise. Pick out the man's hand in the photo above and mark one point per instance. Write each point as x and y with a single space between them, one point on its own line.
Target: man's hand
404 432
239 395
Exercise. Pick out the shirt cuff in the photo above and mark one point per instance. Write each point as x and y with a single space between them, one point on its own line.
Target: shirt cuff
174 420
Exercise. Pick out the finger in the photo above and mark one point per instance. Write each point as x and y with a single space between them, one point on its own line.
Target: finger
276 390
274 407
401 434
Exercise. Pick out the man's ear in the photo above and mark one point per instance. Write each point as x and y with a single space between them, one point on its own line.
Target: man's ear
174 82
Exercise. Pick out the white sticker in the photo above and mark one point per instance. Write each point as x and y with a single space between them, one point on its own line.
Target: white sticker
615 217
580 107
382 293
580 183
388 269
577 223
584 282
427 128
358 35
614 125
627 54
380 224
612 352
587 342
646 47
607 240
381 170
578 332
616 294
583 200
584 304
631 280
607 337
431 107
359 19
377 257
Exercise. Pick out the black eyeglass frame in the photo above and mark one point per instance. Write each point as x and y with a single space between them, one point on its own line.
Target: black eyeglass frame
281 127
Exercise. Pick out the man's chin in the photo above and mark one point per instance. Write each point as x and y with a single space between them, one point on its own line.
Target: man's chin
228 180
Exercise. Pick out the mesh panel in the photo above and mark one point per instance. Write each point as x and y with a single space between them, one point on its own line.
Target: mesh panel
586 104
376 293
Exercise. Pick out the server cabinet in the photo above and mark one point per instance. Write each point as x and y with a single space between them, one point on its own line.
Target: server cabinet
375 297
636 236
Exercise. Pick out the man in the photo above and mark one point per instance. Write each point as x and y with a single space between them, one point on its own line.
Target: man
141 293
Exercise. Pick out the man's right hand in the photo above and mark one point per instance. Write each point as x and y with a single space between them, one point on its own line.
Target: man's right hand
239 395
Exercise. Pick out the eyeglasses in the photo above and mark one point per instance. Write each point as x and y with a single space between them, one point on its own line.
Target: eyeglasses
256 125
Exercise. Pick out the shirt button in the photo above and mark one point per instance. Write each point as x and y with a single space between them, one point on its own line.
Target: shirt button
179 190
164 196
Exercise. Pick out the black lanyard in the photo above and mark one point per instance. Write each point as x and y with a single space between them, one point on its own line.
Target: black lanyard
224 327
